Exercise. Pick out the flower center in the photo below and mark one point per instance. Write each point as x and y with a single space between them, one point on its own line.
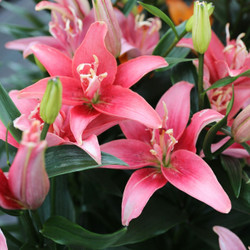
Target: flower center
90 80
163 141
220 98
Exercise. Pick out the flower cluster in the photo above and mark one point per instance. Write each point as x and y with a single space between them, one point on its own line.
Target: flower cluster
96 63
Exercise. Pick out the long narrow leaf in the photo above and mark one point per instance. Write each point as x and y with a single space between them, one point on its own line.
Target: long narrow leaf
128 7
227 80
157 12
66 159
65 232
209 138
8 113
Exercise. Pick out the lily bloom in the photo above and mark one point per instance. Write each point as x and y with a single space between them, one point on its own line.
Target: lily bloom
139 35
27 173
93 84
69 23
171 153
228 240
220 62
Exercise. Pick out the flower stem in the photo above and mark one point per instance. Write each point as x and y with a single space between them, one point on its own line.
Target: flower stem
175 42
44 131
223 147
200 81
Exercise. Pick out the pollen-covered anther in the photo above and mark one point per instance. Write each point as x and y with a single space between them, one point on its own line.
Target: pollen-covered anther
173 141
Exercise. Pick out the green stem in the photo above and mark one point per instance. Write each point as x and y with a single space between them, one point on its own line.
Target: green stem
12 238
175 42
200 81
29 226
37 219
223 147
44 131
246 146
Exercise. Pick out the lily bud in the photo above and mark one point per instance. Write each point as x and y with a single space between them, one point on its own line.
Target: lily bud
201 28
104 12
241 126
27 179
52 101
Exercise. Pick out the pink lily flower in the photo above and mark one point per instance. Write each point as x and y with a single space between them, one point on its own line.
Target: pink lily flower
228 240
69 23
27 173
59 132
3 244
170 151
94 85
139 35
219 62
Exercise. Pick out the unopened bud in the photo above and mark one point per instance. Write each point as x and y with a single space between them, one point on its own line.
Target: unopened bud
104 12
241 126
189 24
52 101
201 28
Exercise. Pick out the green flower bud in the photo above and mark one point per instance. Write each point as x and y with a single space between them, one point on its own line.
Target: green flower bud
189 24
241 126
52 101
201 30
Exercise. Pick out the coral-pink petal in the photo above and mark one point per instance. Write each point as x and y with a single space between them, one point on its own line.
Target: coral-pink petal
135 130
198 122
55 62
140 187
80 117
124 103
93 44
228 240
135 153
189 173
3 244
25 43
72 90
133 70
177 100
10 138
91 146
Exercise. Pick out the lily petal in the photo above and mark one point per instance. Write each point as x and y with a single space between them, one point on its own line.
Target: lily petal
72 90
189 173
80 117
121 102
198 122
93 44
135 130
3 244
228 240
178 114
140 187
135 153
132 71
55 62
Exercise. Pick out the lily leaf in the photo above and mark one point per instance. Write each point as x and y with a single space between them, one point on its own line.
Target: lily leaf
65 232
128 7
157 12
209 138
66 159
234 170
227 80
8 113
172 61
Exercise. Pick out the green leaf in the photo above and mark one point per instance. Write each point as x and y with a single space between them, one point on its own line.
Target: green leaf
227 80
65 232
172 61
157 12
157 217
209 138
234 170
166 45
8 113
66 159
128 7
